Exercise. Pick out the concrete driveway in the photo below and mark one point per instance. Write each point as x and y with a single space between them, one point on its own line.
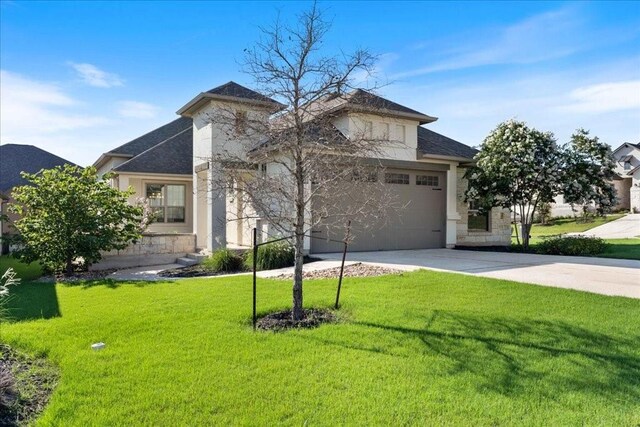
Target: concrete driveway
626 227
598 275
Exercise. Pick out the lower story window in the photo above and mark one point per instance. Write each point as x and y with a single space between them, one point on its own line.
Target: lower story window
477 220
167 202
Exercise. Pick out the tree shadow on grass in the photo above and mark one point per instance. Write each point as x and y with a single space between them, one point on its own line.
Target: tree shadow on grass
516 356
114 284
35 300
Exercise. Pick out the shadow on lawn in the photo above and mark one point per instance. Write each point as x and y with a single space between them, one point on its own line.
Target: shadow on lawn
36 300
513 356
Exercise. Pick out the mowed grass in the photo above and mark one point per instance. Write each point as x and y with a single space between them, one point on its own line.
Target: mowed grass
24 272
424 348
617 248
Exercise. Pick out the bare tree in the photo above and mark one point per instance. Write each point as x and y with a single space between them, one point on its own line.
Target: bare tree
294 168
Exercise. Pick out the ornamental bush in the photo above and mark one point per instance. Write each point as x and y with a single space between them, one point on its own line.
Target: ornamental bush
571 245
69 217
224 261
272 256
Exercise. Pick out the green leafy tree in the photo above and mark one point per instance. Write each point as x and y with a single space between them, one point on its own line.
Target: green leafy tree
588 175
69 216
518 168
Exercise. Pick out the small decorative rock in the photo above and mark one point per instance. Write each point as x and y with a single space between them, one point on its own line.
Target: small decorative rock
98 346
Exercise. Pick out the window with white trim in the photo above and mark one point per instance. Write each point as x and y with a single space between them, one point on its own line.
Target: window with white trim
401 133
368 130
167 202
477 219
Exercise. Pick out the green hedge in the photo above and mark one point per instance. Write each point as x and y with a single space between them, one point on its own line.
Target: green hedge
271 256
571 245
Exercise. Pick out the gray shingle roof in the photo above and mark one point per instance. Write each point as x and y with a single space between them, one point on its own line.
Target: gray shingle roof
153 138
238 91
368 99
430 142
174 155
16 158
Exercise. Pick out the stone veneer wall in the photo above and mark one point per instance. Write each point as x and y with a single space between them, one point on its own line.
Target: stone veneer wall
499 233
634 199
152 249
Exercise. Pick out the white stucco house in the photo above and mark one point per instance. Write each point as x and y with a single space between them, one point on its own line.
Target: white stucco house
169 166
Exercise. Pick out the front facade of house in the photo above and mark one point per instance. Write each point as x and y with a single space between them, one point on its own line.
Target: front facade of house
627 179
425 173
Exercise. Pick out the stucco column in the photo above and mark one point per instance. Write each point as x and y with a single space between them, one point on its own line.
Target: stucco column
217 215
452 205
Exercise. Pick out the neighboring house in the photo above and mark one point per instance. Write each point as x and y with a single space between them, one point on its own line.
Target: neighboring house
159 167
431 167
627 179
14 159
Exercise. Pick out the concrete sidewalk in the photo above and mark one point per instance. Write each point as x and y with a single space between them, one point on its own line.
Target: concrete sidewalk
624 228
598 275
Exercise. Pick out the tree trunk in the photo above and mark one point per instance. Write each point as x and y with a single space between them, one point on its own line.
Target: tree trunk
69 266
297 275
526 229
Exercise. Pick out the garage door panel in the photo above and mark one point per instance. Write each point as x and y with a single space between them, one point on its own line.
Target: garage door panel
419 225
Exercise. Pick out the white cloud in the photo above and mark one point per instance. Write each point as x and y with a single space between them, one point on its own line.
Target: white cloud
31 107
604 97
138 110
93 76
542 37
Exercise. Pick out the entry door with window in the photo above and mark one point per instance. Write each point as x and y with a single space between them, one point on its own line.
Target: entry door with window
167 202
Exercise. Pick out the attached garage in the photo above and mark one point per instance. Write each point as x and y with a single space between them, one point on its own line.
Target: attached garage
419 224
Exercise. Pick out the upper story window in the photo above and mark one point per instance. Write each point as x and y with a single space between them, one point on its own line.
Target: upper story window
240 124
167 202
368 130
401 133
627 165
385 131
263 170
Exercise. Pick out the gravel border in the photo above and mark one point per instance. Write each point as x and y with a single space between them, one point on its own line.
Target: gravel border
353 270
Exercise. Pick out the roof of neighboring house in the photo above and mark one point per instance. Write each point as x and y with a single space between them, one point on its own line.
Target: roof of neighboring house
153 138
432 143
174 155
626 144
17 158
230 91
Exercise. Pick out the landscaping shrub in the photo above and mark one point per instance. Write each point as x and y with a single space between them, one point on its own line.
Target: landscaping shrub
272 256
224 261
571 245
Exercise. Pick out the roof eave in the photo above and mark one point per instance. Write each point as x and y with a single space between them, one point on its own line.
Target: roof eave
421 118
203 98
105 156
443 157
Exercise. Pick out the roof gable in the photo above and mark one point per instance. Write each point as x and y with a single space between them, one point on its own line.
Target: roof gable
153 138
233 89
172 156
433 143
17 158
230 91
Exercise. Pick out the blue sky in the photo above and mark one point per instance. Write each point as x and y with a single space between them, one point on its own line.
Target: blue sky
80 78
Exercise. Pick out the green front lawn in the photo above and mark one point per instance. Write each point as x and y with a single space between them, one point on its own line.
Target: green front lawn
565 225
622 248
25 272
423 348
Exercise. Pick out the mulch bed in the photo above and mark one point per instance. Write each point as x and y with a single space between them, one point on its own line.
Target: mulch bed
197 270
78 276
26 384
282 320
354 270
